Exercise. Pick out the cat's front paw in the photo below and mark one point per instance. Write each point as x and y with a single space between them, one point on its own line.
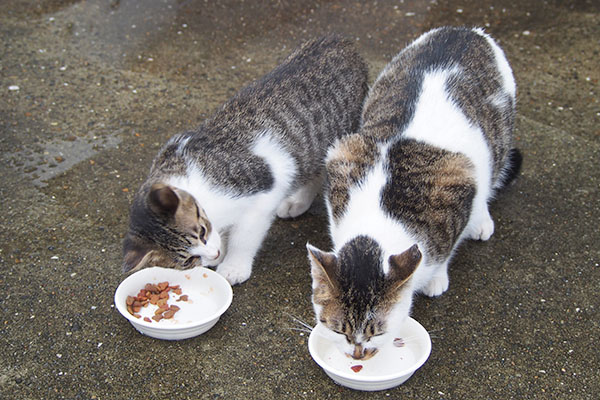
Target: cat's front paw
483 230
437 285
234 273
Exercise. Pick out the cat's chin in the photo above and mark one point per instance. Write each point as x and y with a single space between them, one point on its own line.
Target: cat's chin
212 261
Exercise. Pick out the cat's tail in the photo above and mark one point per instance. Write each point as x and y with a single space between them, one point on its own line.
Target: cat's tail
511 168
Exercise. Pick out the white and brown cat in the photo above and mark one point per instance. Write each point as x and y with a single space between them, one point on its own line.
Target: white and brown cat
212 193
435 144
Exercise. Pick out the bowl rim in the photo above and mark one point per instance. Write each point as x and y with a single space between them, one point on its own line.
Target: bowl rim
370 378
139 321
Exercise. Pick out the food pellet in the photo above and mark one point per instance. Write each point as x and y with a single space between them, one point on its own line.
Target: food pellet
155 294
161 302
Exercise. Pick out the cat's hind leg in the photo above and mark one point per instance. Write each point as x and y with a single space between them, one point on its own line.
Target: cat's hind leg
481 224
299 201
439 281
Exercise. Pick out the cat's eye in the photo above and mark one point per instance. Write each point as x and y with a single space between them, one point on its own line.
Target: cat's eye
343 334
348 339
374 335
202 234
372 332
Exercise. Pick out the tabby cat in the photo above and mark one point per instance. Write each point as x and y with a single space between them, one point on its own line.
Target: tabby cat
434 146
212 193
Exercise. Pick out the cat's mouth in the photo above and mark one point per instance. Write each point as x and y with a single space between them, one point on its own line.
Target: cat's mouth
361 353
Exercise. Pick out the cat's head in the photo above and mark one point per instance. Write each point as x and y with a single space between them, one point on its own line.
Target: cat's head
360 305
168 228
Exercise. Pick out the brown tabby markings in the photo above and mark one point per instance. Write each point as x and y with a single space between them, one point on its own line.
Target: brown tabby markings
347 166
431 191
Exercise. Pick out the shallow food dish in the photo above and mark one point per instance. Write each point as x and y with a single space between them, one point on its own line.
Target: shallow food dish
393 364
209 295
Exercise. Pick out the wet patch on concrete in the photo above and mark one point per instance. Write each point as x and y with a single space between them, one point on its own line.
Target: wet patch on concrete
49 160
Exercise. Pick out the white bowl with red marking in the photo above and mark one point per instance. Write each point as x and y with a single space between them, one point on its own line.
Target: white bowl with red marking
391 366
209 295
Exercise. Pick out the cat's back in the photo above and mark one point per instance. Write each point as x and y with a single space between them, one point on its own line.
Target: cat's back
303 104
446 79
435 120
305 76
318 80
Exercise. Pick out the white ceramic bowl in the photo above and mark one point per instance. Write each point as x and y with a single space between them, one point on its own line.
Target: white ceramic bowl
209 296
389 367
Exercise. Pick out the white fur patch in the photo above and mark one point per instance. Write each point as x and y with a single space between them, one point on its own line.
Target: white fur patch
222 206
247 219
364 216
281 163
450 129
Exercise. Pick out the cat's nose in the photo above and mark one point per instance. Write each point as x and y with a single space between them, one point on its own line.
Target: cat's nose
360 353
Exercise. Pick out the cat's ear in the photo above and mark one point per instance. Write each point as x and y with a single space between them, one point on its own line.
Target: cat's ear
163 199
135 257
403 265
323 266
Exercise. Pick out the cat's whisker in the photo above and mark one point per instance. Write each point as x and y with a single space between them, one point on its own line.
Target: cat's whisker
291 328
304 326
299 321
409 339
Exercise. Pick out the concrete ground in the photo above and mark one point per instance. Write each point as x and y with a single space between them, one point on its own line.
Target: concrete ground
91 89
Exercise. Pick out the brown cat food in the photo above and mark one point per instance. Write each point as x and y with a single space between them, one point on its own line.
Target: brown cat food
356 368
155 294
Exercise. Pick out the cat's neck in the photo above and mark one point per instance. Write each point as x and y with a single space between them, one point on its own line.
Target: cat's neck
364 216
